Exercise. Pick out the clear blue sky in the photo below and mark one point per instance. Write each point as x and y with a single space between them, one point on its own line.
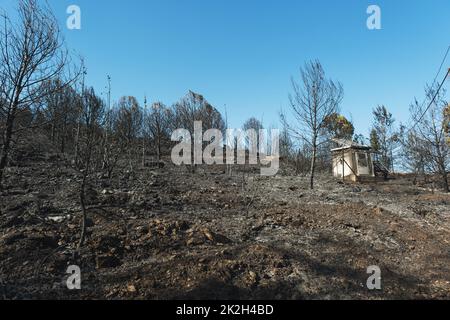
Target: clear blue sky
242 53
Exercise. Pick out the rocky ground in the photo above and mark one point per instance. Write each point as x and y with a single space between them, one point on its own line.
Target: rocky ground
166 233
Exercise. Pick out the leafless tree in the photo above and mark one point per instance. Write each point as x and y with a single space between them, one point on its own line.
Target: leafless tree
256 125
447 123
194 107
60 106
77 131
90 142
312 103
287 148
414 159
107 141
31 53
430 133
128 126
157 126
3 105
253 123
114 147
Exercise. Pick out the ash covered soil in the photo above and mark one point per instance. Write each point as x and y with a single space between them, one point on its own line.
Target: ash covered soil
166 233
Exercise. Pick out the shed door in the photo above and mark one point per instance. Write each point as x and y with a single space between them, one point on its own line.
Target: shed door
363 163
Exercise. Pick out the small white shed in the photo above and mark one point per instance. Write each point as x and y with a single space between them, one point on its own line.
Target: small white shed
352 161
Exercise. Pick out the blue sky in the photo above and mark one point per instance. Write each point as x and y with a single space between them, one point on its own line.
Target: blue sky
242 53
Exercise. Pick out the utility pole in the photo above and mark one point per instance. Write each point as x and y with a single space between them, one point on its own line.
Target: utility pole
108 126
109 92
77 138
228 166
143 132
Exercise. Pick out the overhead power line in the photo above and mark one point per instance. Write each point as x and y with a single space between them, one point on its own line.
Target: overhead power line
437 91
431 102
440 67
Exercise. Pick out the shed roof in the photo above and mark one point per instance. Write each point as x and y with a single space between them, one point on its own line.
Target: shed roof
349 144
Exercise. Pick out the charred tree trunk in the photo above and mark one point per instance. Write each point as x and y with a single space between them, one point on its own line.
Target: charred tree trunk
313 167
444 175
83 212
7 140
445 180
77 141
297 163
158 149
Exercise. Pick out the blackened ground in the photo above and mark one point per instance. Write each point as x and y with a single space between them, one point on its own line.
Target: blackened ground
165 233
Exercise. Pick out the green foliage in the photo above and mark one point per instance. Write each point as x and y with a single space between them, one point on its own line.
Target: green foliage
383 138
374 140
447 123
339 126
